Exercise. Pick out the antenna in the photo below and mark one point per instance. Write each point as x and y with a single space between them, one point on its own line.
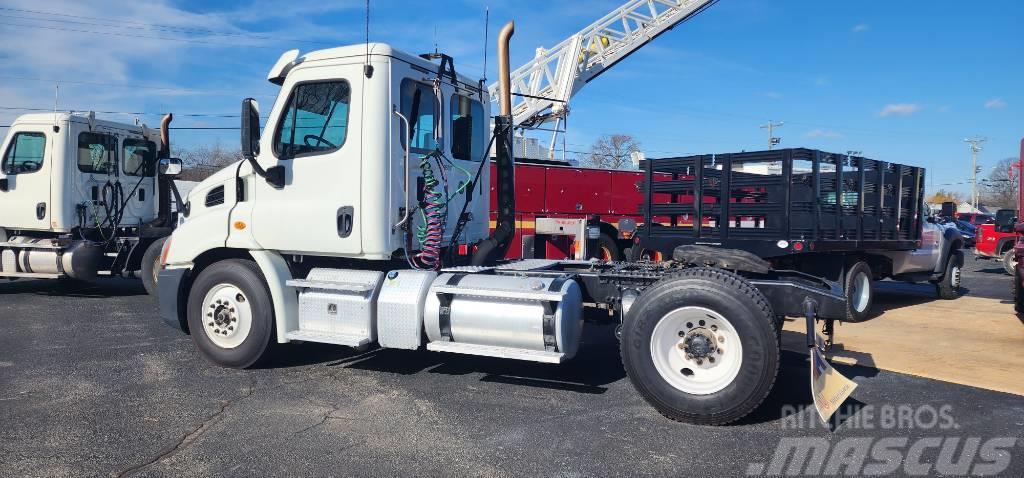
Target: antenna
56 100
367 67
487 28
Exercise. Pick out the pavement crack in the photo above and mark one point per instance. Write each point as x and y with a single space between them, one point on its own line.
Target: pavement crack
190 437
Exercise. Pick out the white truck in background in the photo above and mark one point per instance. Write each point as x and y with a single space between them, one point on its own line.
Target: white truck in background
82 197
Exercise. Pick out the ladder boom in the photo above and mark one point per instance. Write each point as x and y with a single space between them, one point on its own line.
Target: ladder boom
542 88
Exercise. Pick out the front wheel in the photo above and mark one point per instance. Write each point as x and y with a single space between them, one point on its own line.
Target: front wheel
860 292
701 347
230 314
949 286
151 265
1010 261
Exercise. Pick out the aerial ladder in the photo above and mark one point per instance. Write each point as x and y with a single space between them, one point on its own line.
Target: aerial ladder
541 89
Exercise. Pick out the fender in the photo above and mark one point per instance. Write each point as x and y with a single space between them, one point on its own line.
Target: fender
1001 245
286 302
950 237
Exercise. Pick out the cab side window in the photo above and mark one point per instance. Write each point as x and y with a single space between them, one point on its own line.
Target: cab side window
316 121
97 153
25 153
468 128
418 105
139 158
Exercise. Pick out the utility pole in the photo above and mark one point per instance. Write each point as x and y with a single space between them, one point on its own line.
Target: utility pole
772 140
975 143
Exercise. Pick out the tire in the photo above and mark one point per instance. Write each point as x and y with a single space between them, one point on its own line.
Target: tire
709 303
151 265
1018 297
859 290
637 254
1010 261
607 249
231 315
949 287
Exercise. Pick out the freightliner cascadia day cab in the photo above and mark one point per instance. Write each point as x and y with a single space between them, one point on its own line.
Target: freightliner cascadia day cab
359 217
81 197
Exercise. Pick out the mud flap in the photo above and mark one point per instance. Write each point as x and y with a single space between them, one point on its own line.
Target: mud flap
828 387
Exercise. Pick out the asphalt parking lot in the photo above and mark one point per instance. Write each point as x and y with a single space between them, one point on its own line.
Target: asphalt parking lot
93 384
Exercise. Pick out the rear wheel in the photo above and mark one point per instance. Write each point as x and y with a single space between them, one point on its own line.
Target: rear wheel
151 265
607 249
230 314
859 290
701 346
1010 261
949 287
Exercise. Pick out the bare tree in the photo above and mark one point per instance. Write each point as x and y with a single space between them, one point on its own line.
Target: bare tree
202 161
943 195
999 189
612 151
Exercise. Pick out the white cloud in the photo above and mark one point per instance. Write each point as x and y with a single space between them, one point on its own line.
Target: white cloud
824 134
995 103
899 109
861 27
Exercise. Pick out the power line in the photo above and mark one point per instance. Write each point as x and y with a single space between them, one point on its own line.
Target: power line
123 85
157 27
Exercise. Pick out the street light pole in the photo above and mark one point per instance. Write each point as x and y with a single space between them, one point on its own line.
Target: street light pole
772 140
975 143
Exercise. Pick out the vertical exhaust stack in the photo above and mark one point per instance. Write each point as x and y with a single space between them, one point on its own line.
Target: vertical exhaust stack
495 247
163 183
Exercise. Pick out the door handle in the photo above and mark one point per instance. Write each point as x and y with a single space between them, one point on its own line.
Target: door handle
40 211
346 217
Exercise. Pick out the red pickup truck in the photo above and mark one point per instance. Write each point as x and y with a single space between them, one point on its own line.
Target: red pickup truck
995 240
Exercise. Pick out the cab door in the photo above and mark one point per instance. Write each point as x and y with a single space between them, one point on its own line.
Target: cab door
26 165
138 178
314 134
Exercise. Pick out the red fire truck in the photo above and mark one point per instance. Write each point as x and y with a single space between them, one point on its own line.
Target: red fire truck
554 201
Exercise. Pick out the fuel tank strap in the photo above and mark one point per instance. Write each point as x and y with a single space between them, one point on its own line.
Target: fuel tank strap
445 312
550 341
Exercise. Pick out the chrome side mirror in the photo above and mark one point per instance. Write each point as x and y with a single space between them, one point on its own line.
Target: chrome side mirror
170 167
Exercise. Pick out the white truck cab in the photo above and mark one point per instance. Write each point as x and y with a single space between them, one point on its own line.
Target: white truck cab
81 196
336 135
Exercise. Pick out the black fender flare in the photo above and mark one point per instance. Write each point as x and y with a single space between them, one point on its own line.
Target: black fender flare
952 241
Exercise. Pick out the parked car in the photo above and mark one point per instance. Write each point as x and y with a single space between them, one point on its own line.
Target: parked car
975 218
967 230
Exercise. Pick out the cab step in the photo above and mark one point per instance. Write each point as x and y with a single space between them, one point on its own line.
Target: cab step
30 275
329 338
498 352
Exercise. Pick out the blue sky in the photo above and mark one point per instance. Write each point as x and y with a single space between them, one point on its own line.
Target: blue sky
901 81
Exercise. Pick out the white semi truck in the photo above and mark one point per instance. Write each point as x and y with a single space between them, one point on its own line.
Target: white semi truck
360 218
82 197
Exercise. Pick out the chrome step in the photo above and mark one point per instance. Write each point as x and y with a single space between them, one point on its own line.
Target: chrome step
328 338
498 352
23 245
331 285
30 275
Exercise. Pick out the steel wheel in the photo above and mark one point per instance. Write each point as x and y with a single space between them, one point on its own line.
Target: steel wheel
861 292
227 316
696 350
